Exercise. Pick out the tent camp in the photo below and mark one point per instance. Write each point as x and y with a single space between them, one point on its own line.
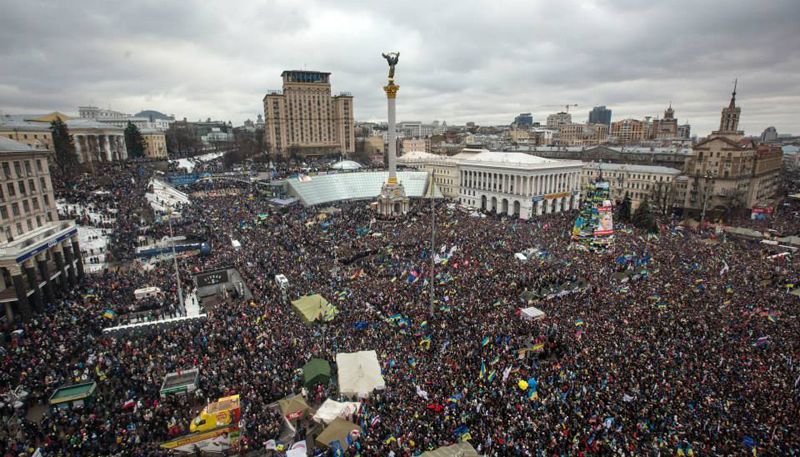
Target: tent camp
337 431
332 410
531 313
359 373
463 449
293 408
314 307
316 371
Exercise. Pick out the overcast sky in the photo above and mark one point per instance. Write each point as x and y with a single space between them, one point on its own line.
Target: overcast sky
481 61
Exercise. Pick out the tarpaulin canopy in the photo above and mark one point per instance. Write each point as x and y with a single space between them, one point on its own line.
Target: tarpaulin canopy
532 313
455 450
337 431
359 373
331 410
316 371
294 407
314 307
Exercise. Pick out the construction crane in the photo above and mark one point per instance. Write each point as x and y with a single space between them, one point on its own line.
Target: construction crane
566 107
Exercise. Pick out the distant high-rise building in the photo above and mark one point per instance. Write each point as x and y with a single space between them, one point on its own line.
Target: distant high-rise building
685 131
628 131
558 119
600 115
305 118
523 121
666 128
769 135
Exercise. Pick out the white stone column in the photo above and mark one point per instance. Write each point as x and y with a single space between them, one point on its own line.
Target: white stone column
391 94
108 148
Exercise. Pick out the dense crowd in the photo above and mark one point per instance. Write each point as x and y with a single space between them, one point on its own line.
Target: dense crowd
682 343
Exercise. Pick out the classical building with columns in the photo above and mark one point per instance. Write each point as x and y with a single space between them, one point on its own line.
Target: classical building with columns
97 141
510 183
40 257
94 141
518 184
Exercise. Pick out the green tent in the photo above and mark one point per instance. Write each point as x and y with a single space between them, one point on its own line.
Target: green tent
313 307
316 371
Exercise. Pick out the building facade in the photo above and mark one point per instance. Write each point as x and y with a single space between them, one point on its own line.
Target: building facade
155 143
600 115
523 121
726 173
627 131
638 182
304 119
518 184
558 119
582 134
665 128
418 144
40 256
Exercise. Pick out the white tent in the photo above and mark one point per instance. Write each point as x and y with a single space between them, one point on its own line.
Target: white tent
359 373
332 409
532 313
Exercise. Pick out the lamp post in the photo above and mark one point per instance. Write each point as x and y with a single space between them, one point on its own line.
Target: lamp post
175 259
709 175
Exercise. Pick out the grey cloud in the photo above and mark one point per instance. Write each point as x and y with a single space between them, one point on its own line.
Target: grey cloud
469 60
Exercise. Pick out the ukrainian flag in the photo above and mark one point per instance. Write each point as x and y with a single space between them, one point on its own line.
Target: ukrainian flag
483 370
485 341
109 314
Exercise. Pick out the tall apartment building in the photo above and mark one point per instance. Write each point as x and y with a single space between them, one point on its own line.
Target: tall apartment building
39 255
600 115
305 119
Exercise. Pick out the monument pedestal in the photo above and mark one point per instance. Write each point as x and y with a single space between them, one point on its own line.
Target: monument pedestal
393 200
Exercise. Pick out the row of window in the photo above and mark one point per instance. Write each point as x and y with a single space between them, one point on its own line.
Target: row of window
9 233
18 165
20 185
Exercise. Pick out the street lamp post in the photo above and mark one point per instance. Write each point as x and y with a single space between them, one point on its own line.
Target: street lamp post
709 175
175 259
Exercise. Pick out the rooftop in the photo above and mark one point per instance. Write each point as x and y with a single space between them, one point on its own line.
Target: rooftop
632 168
9 145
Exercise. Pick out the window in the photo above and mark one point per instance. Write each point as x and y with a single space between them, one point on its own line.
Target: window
43 184
31 186
26 206
11 191
21 185
3 212
6 170
35 203
39 165
38 221
46 201
18 168
28 167
19 228
9 237
15 209
30 225
2 196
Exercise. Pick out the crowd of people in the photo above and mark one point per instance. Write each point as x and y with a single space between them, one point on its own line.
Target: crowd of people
680 343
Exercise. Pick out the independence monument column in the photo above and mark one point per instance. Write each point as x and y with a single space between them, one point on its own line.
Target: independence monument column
392 201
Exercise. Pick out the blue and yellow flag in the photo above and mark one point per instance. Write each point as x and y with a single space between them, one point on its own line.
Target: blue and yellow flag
483 370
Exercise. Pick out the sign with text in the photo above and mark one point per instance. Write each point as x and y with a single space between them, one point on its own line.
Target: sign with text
212 278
